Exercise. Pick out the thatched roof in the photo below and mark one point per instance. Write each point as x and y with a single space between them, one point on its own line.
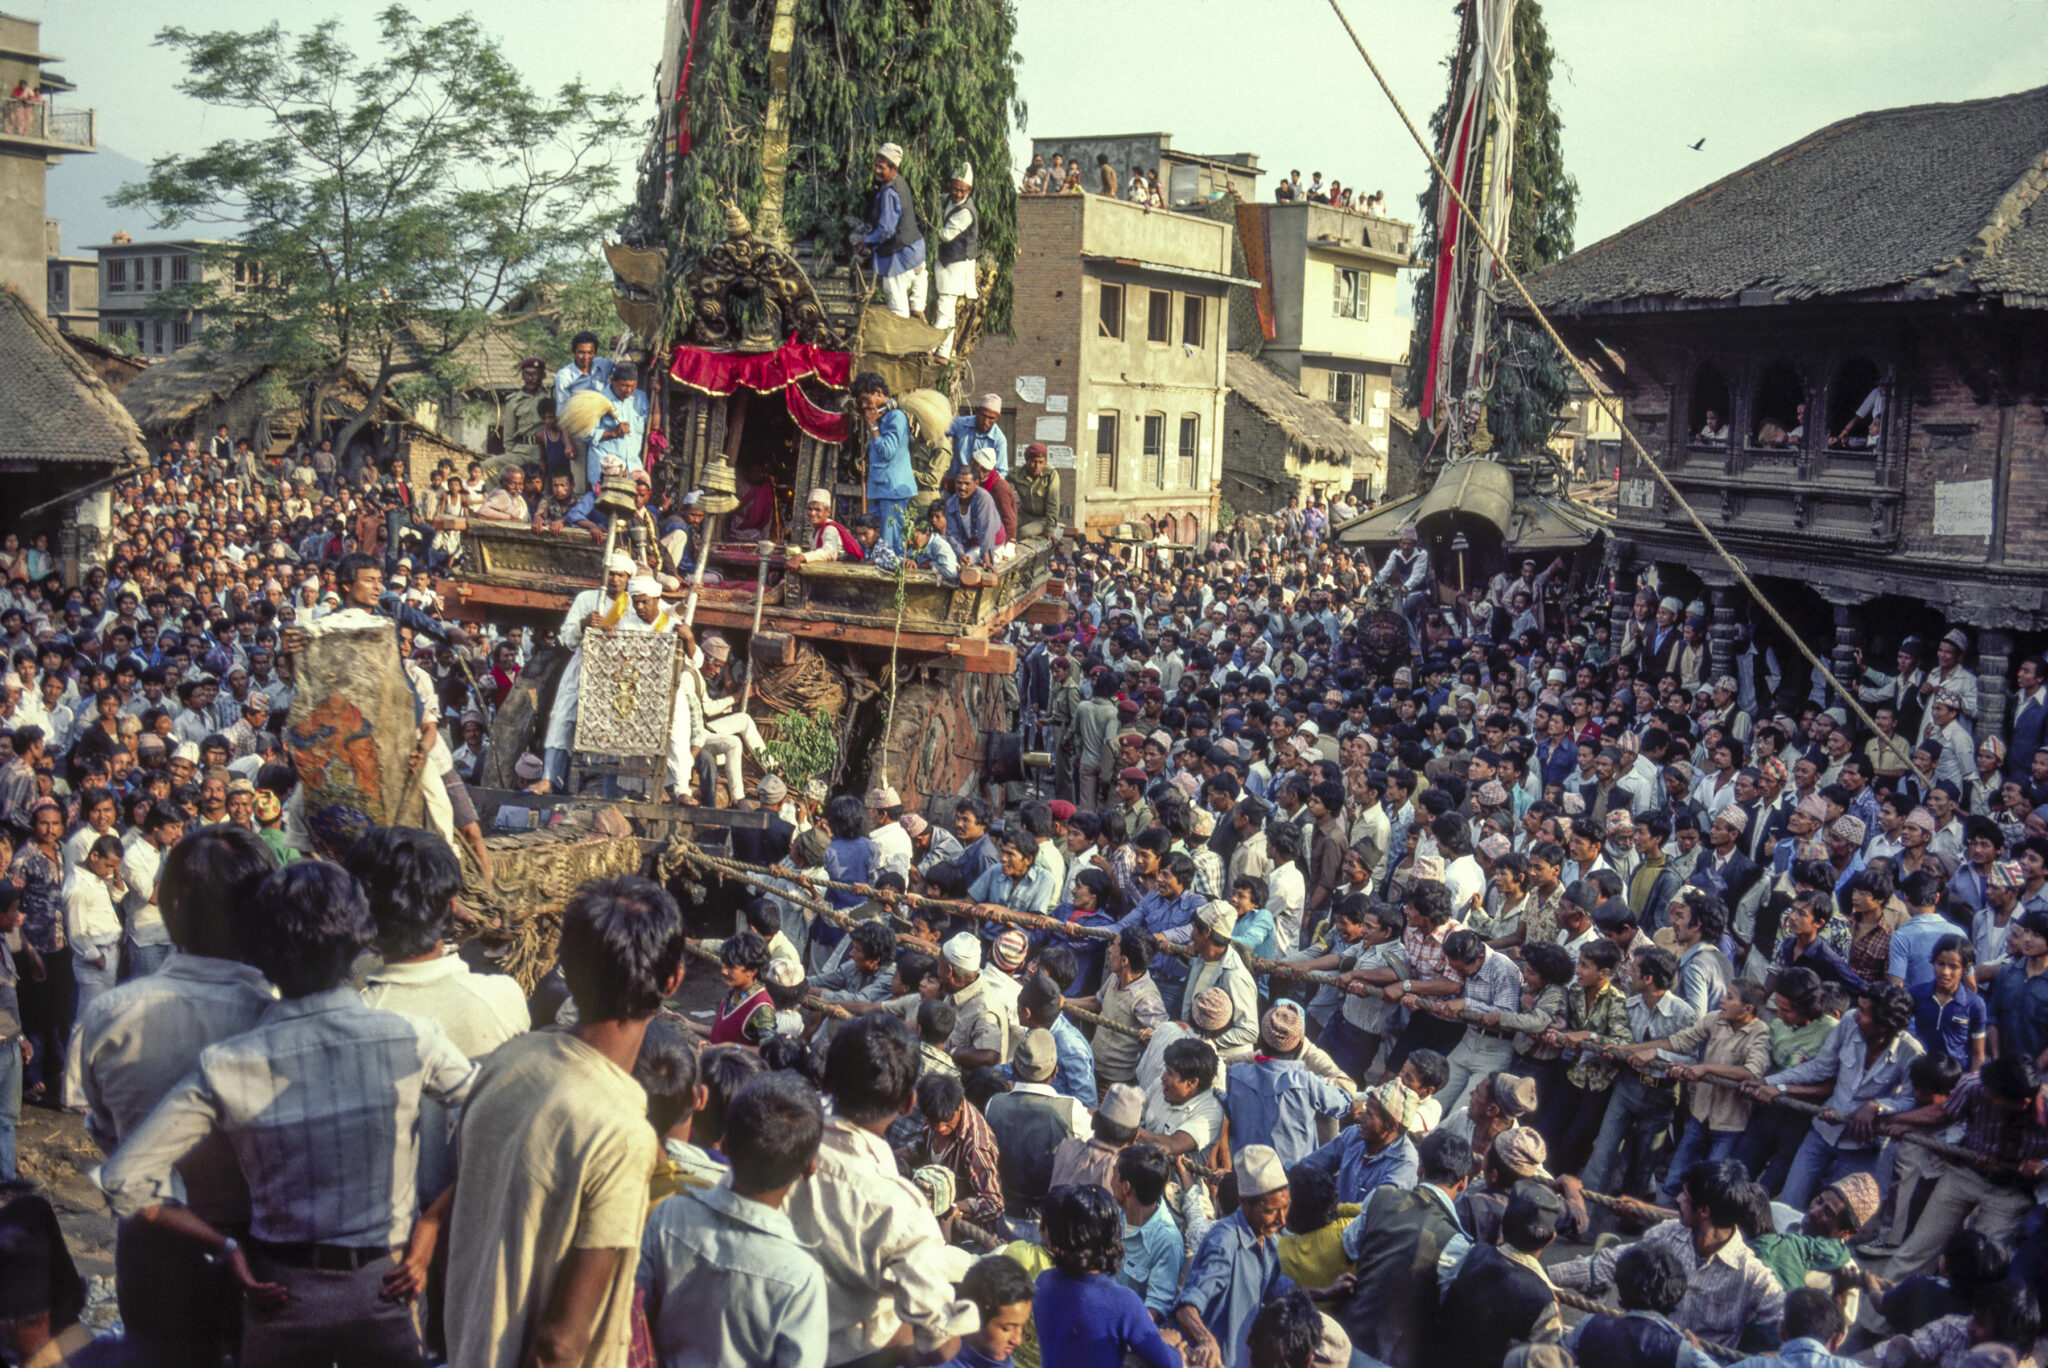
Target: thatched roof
54 407
111 364
186 383
1311 426
1922 202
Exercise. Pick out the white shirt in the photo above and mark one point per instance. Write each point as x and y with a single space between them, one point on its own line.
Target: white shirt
886 1262
893 849
89 917
139 871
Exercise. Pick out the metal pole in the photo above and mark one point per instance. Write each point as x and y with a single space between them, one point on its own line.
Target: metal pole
697 580
763 550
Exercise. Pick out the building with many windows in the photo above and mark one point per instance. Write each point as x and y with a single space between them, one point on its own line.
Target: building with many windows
1116 360
1326 317
133 279
1855 401
72 288
36 131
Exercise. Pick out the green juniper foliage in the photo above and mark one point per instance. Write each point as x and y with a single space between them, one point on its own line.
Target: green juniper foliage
938 77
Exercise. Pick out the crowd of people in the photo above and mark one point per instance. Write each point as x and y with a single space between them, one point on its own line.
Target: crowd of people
1354 990
1335 194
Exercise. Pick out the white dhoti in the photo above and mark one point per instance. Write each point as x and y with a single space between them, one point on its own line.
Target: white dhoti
956 282
903 293
562 716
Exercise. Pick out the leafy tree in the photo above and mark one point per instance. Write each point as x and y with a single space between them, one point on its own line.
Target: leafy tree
938 77
1530 376
392 203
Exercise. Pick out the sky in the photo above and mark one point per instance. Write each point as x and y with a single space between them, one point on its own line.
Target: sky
1637 81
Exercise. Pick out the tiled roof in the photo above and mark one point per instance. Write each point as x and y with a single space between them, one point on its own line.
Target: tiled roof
53 407
1919 202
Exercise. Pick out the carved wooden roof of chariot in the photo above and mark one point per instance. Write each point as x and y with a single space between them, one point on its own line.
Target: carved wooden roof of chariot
1923 202
746 265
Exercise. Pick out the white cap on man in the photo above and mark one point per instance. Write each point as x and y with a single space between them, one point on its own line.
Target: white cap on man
892 153
964 173
991 403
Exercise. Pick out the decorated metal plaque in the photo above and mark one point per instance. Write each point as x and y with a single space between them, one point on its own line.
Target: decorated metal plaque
627 695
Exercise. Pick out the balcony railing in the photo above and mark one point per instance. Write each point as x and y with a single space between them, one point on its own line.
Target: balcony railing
45 122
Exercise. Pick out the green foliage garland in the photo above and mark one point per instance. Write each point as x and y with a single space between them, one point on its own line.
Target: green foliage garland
937 76
804 744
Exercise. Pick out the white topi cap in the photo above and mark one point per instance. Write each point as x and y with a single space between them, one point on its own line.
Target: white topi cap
891 153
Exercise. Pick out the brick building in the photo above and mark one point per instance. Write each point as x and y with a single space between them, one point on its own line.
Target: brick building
1864 315
1116 360
1279 444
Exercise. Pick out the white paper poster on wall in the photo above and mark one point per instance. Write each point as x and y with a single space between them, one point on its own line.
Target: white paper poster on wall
1962 508
1031 388
1088 422
1052 429
1060 457
1055 403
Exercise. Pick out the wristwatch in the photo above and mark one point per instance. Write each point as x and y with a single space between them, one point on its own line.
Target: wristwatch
1407 985
228 1246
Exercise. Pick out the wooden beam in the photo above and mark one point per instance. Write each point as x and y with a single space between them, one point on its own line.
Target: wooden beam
468 602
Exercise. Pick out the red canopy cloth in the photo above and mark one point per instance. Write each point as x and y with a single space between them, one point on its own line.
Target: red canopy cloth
723 373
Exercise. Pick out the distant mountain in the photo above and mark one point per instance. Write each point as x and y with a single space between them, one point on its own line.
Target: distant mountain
78 191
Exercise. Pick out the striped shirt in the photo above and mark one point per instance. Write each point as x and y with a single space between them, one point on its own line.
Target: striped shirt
321 1105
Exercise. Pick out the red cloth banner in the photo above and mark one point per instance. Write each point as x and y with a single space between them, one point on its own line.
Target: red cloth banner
723 373
716 372
822 424
1254 234
683 82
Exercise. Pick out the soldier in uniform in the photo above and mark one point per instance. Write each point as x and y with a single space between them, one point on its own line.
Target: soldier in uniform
1061 737
1038 497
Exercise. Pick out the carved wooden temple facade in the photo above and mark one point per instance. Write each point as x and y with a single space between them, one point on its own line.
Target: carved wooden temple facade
1839 354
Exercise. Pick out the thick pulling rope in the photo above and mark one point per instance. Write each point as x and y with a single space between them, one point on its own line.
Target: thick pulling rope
1953 1153
1733 562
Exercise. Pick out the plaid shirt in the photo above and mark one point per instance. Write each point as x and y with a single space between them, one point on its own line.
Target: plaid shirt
2003 1137
1425 952
1208 882
971 1153
1606 1016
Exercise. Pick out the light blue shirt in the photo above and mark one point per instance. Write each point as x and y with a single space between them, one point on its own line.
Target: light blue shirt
1703 976
1912 953
966 441
889 472
1276 1102
1075 1076
1035 892
1234 1273
1359 1174
1153 1256
940 556
1799 1353
727 1282
1857 1079
625 448
570 381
